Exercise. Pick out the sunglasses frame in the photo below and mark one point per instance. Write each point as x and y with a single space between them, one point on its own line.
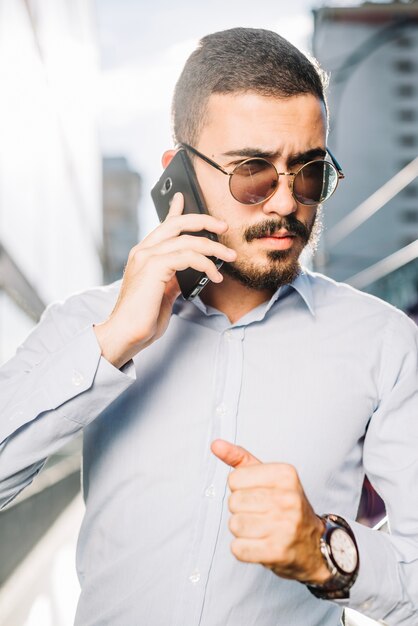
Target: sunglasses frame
334 163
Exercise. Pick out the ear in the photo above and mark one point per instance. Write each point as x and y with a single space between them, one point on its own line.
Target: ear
167 156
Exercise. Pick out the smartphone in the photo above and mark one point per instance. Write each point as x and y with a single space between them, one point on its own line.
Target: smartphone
180 176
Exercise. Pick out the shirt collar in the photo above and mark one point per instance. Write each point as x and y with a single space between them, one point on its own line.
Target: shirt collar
301 285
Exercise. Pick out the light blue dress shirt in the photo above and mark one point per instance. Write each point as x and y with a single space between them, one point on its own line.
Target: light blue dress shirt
321 376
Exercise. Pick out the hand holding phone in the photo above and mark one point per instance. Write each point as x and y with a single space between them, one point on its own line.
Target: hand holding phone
149 287
180 176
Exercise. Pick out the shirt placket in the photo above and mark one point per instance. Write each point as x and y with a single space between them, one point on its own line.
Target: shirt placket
209 519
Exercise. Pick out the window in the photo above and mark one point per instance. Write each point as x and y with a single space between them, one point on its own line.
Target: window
407 115
403 41
404 162
408 141
406 91
405 66
406 241
409 216
411 191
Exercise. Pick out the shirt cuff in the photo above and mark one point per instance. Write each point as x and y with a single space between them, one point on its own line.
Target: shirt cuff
377 589
65 375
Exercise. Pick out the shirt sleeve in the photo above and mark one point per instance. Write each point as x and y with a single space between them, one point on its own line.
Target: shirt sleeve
387 586
56 384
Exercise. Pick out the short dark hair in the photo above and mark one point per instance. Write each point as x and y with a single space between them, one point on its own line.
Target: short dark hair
240 60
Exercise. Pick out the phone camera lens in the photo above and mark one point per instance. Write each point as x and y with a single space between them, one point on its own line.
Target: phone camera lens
168 183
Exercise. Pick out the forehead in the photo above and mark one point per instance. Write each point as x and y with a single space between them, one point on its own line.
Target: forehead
285 125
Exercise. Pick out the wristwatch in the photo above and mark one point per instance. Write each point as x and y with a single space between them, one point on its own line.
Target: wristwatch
340 553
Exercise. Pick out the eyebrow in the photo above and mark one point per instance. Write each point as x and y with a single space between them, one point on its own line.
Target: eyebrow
293 159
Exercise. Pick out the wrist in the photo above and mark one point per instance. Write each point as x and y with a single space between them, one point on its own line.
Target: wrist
320 572
113 348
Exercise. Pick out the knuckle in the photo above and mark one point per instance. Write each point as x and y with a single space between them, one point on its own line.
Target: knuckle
291 473
138 256
291 500
233 502
183 252
234 525
132 252
238 550
185 256
231 481
235 548
188 239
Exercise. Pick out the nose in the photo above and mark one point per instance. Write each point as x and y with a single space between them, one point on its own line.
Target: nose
282 201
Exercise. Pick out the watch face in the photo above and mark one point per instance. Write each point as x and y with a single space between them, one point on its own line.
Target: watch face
343 550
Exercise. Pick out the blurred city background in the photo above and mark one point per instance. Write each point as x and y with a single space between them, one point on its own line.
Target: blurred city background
84 119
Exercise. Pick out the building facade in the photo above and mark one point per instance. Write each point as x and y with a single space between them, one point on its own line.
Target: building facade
121 191
371 54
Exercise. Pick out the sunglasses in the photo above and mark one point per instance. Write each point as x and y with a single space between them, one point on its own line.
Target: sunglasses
255 180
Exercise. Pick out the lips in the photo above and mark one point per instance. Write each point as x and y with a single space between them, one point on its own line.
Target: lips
282 234
281 240
285 229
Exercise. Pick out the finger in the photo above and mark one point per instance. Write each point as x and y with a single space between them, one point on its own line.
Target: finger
266 550
172 290
250 500
233 455
198 244
176 205
276 475
250 525
177 224
165 266
252 550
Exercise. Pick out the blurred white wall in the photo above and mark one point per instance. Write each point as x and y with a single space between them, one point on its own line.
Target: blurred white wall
50 167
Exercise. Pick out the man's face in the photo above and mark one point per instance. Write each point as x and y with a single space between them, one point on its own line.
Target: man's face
268 237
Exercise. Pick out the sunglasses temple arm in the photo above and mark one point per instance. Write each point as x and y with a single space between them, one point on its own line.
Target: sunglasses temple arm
337 165
202 156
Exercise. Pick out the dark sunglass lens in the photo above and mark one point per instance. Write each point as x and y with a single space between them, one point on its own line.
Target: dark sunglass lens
253 181
315 182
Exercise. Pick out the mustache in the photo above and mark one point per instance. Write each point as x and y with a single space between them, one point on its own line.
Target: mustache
271 226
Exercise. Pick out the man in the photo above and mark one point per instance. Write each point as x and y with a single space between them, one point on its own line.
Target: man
297 383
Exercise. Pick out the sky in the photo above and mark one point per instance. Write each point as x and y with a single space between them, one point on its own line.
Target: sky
143 46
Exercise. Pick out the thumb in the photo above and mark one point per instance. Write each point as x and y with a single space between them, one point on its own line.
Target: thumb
233 455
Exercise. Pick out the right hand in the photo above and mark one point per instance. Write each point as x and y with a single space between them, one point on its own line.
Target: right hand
149 286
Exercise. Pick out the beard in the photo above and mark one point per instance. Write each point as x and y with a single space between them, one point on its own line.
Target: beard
282 266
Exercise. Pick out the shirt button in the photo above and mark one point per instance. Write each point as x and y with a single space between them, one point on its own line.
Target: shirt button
210 492
194 577
221 409
77 378
228 335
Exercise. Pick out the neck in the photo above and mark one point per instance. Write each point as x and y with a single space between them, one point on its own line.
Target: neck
233 299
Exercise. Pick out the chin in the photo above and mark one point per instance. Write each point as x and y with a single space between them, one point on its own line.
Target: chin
281 268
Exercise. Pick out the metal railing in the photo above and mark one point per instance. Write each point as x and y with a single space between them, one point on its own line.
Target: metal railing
365 211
